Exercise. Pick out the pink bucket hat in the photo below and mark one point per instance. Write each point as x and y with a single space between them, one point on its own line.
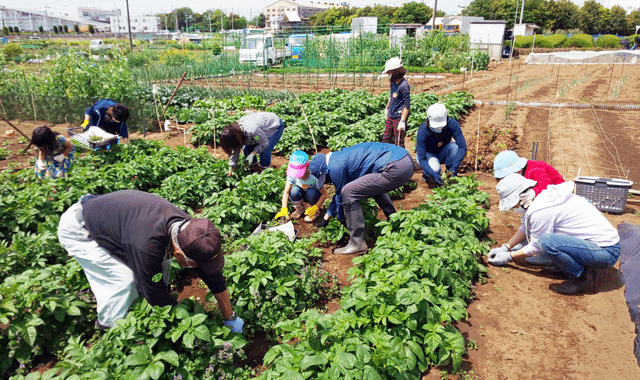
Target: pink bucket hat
298 163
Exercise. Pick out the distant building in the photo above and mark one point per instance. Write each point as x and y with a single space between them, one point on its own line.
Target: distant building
27 20
139 24
398 32
96 14
277 12
524 29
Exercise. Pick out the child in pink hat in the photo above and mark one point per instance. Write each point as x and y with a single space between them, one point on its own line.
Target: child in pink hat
302 186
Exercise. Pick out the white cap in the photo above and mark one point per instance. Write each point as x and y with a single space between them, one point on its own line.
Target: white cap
509 189
437 115
392 64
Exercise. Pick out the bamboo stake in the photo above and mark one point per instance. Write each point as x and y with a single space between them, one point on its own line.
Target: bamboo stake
174 93
478 138
309 124
14 127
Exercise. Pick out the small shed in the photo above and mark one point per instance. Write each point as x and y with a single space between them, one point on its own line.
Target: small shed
524 29
398 31
488 35
364 25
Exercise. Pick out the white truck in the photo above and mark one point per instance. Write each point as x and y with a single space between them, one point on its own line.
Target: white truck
98 45
258 49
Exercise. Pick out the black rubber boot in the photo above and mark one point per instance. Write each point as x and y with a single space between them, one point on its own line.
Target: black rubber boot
355 225
385 205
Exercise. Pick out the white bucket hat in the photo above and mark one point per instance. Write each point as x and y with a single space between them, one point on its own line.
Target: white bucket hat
391 64
437 115
509 190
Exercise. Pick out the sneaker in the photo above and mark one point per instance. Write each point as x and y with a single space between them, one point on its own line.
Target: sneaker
574 285
539 260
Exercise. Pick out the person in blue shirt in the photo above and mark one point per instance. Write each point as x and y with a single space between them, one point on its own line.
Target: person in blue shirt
439 140
365 170
109 116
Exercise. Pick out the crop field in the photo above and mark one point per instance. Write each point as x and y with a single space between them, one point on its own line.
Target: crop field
420 304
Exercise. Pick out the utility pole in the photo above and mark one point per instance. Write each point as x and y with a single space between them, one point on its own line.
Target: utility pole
209 23
521 11
129 26
433 18
221 24
176 14
231 15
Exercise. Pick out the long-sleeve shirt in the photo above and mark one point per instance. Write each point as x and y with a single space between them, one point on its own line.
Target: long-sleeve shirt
257 128
542 173
96 118
399 98
356 161
135 226
558 210
434 143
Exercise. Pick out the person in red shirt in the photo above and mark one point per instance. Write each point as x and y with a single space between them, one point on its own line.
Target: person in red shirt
508 162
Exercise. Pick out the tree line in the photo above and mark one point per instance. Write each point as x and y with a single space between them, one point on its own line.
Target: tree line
559 15
210 20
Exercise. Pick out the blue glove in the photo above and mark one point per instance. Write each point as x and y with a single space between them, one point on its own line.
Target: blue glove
236 325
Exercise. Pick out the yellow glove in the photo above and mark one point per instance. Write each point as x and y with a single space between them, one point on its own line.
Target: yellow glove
311 211
84 125
283 212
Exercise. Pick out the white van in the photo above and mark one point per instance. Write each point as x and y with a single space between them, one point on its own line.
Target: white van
258 49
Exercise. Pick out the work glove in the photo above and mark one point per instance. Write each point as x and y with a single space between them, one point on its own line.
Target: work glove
323 223
503 248
84 125
250 158
59 158
527 197
283 212
236 325
500 258
41 165
311 211
386 113
402 126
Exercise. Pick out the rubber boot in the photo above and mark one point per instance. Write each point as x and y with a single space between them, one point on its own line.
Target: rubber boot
574 285
355 225
385 205
299 211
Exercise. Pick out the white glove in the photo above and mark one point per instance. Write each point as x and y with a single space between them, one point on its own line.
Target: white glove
503 248
386 113
500 258
402 126
59 158
250 158
527 197
41 165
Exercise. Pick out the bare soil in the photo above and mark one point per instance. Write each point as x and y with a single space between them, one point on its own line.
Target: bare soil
522 330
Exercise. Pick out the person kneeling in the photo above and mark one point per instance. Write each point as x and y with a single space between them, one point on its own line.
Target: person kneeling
565 226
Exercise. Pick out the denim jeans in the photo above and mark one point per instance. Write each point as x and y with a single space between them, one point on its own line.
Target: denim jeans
298 194
447 155
572 255
265 156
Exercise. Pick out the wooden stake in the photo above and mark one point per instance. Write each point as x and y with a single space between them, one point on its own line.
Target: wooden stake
14 127
174 93
478 138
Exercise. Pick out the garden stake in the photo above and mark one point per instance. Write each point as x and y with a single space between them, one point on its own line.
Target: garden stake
609 85
13 126
478 138
174 93
305 117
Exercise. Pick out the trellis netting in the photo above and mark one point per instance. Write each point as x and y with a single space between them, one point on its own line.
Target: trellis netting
626 57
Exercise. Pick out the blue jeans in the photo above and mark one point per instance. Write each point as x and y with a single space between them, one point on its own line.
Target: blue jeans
447 155
298 194
265 156
572 255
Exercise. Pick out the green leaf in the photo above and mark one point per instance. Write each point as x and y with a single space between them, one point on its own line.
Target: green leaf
155 370
74 310
291 375
140 357
312 360
170 357
198 319
371 374
363 354
347 360
271 355
157 277
202 332
32 334
188 339
417 350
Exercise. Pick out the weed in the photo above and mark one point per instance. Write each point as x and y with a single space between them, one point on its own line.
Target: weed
4 153
505 270
472 344
6 142
444 375
497 289
510 108
464 375
23 140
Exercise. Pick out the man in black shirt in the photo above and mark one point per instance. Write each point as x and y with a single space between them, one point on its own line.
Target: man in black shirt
124 241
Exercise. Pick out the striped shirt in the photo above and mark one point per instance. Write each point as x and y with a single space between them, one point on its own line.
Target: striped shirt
257 128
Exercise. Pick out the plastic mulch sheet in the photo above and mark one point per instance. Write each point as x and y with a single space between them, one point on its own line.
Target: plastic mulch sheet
630 275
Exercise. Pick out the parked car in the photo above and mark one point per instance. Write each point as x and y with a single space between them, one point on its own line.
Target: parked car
296 44
259 50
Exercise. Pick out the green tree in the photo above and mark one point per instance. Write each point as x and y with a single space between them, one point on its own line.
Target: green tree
91 30
591 17
333 16
40 29
479 8
384 13
620 22
413 12
55 29
76 28
66 28
16 30
634 18
563 15
258 20
5 31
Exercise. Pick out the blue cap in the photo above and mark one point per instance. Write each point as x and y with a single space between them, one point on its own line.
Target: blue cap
318 168
507 162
